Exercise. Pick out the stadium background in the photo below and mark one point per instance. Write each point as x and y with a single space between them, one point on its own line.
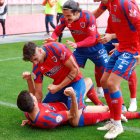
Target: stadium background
27 16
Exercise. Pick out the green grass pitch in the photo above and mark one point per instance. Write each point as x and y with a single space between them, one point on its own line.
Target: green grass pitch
11 83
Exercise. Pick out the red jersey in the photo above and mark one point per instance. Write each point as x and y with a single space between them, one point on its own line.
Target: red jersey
83 30
49 116
53 66
124 20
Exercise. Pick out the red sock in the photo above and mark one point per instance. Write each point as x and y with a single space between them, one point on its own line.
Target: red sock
116 101
93 118
132 115
132 82
92 95
98 74
108 101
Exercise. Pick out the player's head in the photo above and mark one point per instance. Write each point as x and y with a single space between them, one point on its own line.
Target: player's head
103 1
71 10
26 101
1 2
31 52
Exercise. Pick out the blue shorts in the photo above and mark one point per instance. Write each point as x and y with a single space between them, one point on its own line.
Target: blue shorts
79 88
121 63
97 54
108 46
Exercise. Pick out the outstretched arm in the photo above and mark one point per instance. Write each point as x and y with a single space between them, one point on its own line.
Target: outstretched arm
27 76
74 112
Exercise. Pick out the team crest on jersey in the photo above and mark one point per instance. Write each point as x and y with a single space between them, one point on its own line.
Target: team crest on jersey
132 13
115 8
54 59
82 24
126 55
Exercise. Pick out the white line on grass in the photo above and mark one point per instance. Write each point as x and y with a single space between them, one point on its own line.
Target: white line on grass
8 104
9 59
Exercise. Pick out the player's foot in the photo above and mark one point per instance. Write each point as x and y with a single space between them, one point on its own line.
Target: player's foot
132 107
100 92
107 126
123 118
114 132
47 34
88 100
124 109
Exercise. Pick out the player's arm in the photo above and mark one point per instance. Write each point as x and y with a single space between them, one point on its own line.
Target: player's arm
44 2
90 31
38 92
133 14
74 112
74 71
98 12
57 32
27 76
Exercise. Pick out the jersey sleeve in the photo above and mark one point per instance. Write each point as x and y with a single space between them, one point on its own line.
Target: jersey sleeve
52 119
59 28
91 31
37 75
132 14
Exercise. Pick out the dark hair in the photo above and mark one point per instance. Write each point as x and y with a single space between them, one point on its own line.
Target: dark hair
25 101
71 5
29 51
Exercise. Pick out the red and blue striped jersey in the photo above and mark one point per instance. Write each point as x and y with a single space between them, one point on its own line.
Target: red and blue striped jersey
83 30
53 66
50 115
124 20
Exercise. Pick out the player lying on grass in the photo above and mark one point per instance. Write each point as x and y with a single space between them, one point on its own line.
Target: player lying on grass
50 115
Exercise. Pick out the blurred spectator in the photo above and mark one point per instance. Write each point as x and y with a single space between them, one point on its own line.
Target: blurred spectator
50 6
3 14
59 14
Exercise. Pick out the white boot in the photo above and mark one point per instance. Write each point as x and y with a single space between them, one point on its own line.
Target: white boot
114 131
100 92
133 105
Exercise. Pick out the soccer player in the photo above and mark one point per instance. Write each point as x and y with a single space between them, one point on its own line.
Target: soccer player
82 25
56 61
108 40
124 21
51 115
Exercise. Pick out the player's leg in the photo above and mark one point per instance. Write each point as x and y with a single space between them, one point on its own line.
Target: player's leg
132 82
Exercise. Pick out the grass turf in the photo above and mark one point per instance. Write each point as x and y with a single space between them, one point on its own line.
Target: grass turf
11 84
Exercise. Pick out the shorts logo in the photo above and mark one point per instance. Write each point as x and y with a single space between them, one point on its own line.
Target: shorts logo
82 24
59 119
126 55
101 51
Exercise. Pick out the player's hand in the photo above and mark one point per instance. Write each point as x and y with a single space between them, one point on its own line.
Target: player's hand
138 59
24 122
69 91
71 44
105 39
116 46
48 40
53 88
26 75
